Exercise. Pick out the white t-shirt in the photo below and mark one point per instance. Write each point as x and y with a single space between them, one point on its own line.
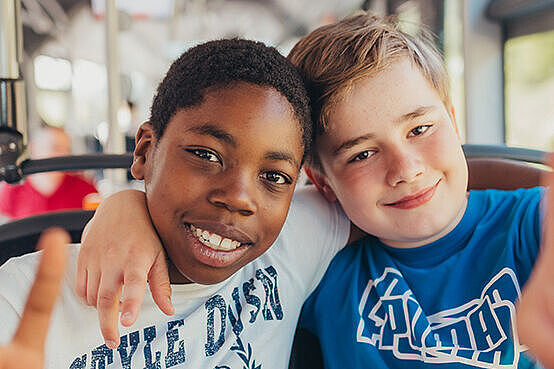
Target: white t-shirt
247 321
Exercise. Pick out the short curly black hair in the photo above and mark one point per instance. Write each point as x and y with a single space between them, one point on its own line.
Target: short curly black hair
220 64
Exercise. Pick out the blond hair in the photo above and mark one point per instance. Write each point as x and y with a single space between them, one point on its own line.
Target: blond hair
333 57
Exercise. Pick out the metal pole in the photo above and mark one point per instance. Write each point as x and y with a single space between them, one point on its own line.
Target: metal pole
13 119
115 138
10 39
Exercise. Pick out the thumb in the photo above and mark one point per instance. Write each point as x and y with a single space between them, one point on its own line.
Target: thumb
34 323
547 247
158 281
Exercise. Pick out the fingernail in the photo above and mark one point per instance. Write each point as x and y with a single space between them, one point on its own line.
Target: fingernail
171 308
111 344
126 318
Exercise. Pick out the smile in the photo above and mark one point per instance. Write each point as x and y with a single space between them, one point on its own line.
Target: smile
415 200
213 240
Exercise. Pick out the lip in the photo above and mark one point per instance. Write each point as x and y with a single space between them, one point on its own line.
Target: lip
217 258
415 200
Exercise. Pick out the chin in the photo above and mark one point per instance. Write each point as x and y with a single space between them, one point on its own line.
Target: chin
208 278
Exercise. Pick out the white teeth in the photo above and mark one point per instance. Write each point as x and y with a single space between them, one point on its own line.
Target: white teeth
227 244
213 240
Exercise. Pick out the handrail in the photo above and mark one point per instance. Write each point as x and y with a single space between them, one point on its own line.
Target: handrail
77 162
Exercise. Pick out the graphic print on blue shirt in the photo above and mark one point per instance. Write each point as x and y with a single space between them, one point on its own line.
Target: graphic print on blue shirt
221 315
476 333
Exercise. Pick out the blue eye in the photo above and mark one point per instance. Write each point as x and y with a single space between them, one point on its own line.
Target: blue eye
205 155
276 178
419 130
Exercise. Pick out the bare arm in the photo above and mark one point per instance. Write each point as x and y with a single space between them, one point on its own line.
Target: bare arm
535 310
120 247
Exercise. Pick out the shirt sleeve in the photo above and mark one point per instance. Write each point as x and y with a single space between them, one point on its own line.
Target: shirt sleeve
315 231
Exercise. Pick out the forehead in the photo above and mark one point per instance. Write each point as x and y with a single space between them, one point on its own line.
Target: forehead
250 113
384 97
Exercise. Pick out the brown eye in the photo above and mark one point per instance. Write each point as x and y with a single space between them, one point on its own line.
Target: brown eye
204 154
276 178
362 156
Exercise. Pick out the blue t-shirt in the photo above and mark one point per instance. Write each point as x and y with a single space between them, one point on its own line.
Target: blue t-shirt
451 302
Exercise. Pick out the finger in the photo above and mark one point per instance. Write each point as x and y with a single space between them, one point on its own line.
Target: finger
81 279
159 284
92 285
109 294
133 294
34 323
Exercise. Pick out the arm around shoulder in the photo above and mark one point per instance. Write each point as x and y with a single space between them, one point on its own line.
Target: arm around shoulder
121 247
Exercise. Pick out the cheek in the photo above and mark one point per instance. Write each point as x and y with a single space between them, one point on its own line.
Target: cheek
449 158
443 150
357 193
272 215
356 183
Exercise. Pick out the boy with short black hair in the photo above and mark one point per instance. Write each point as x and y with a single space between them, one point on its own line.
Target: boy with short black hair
220 158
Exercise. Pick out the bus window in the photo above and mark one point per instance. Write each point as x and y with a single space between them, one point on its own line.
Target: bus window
529 90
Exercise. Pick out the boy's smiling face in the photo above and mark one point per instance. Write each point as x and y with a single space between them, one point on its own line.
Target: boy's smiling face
393 158
220 180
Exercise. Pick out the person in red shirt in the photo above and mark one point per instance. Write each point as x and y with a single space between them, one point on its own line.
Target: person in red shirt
44 192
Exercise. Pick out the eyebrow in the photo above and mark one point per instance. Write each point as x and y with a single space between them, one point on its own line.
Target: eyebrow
351 143
214 131
218 133
284 156
421 111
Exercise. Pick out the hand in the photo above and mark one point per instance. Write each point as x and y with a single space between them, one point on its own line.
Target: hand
26 350
120 247
535 310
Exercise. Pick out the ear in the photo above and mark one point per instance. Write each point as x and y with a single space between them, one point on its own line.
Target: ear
320 183
145 143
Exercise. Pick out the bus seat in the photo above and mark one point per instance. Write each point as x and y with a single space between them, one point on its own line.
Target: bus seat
20 237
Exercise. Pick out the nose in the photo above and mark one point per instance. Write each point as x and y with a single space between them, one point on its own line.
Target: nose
404 166
234 192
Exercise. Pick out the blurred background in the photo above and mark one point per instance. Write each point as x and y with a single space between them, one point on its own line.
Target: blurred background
91 66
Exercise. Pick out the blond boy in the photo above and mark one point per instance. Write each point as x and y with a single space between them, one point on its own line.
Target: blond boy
438 281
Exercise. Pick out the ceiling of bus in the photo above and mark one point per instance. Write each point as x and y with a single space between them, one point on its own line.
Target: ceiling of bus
46 19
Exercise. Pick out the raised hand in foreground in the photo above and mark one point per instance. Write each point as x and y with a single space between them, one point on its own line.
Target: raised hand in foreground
26 350
535 310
